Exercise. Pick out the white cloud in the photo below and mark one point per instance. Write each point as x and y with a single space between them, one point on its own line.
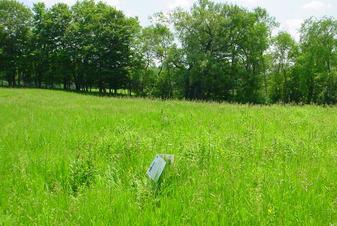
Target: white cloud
112 2
293 27
245 3
317 6
181 3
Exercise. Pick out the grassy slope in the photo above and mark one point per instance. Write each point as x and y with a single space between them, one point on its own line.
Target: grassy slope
73 159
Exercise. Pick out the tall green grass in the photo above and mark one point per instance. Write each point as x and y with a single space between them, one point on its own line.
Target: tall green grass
70 159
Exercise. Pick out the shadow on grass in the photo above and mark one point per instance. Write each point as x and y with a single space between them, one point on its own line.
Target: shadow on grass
93 92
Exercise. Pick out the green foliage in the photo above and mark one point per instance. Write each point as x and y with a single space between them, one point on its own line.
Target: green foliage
224 46
212 51
71 159
284 53
15 19
318 60
82 172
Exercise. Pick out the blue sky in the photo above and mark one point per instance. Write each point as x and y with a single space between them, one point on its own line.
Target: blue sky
290 13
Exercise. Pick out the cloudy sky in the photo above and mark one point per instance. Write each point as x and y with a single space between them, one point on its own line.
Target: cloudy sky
290 13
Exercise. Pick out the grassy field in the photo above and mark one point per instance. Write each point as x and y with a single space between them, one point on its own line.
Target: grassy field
71 159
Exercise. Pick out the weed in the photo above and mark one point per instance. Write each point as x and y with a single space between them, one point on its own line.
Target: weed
82 173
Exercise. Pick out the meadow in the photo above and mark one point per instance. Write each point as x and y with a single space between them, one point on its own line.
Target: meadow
73 159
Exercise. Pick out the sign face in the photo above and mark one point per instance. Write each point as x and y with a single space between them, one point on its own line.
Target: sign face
156 169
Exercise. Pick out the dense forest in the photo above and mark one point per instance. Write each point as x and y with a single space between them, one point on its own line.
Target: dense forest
213 51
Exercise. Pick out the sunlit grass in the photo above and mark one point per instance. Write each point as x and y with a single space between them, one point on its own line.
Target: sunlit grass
69 159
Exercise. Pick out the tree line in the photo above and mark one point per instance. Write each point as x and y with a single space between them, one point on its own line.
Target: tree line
213 51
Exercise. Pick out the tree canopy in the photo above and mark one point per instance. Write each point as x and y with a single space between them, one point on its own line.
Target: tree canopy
213 51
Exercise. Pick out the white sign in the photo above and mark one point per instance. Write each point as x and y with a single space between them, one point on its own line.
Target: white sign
156 169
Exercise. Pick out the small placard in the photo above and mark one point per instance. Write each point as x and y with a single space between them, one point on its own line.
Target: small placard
156 169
